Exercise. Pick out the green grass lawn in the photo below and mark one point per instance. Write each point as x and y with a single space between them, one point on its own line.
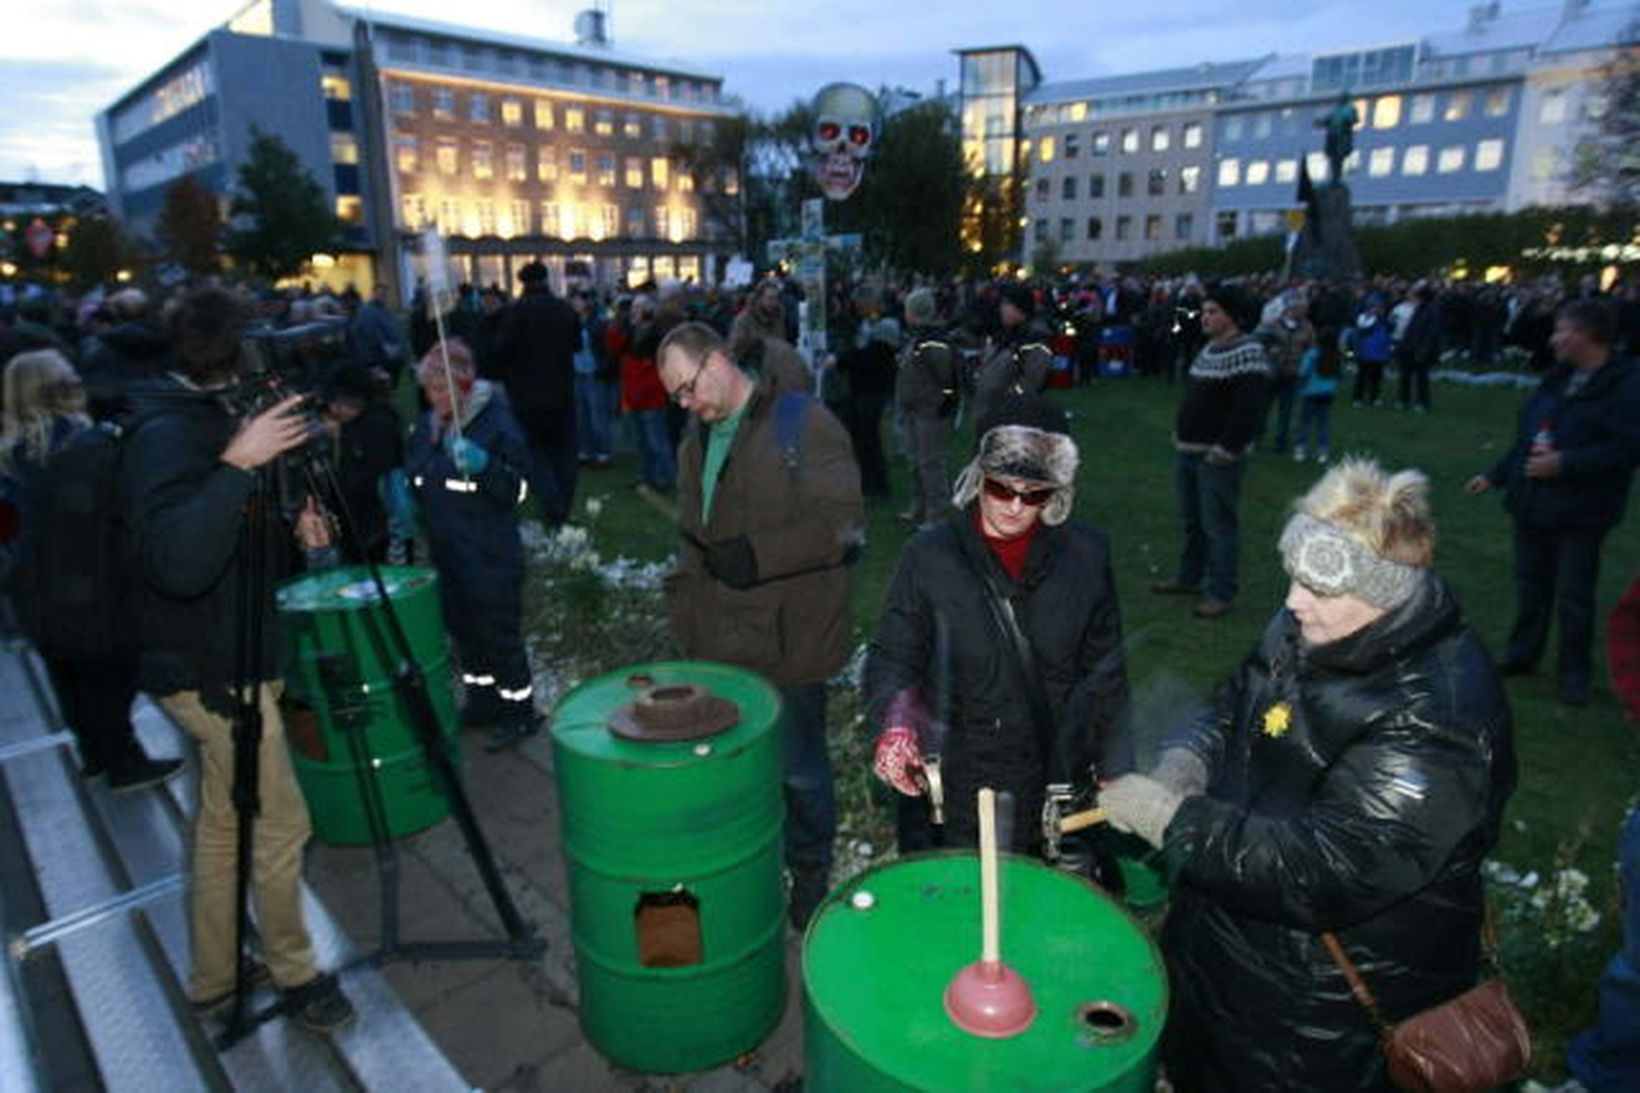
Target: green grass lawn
1579 768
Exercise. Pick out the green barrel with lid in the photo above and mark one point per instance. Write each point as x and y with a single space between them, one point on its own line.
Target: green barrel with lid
671 811
883 948
340 661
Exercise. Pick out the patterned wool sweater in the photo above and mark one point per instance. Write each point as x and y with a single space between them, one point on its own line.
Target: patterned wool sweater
1224 398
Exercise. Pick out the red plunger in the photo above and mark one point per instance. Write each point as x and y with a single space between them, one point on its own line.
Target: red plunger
988 998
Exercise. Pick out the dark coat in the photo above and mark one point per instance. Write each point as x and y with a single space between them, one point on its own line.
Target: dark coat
534 350
367 448
803 524
1066 606
1369 813
1596 431
1018 365
130 355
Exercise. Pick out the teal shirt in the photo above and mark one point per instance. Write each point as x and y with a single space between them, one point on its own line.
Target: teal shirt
719 437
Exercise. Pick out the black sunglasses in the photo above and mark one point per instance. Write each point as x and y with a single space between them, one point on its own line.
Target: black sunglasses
1035 499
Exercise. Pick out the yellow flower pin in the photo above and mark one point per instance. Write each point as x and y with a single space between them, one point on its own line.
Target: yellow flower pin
1278 719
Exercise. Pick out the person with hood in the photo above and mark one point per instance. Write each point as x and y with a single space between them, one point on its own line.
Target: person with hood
1349 778
467 472
941 657
132 352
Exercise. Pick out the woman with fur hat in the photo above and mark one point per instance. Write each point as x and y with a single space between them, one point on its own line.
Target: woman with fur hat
942 675
1350 778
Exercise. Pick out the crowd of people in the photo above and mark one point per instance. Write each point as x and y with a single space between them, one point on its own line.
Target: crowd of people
1347 781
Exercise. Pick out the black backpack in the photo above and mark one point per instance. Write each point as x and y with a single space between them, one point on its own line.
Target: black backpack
69 583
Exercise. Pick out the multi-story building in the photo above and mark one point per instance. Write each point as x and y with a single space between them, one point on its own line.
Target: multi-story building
516 149
1488 117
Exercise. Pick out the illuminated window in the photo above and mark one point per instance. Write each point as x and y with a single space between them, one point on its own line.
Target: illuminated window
634 173
1161 138
660 172
406 153
549 218
1381 162
478 107
1230 171
486 217
1451 159
686 182
483 160
1552 109
1153 226
1386 112
1318 166
632 125
403 97
1258 172
412 211
543 113
1415 160
663 222
520 217
1045 150
1100 145
512 112
731 181
446 156
606 169
1192 134
1286 170
517 166
1489 155
687 224
1423 109
604 123
634 223
1458 105
344 148
336 86
1497 102
444 103
1190 179
449 216
1130 141
575 119
546 164
611 219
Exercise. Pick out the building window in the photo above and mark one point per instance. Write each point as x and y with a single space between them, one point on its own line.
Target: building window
606 169
549 218
483 160
1258 172
634 172
1386 112
517 168
1552 108
406 153
1124 228
1225 225
546 163
1067 230
1457 105
1286 170
1042 188
1489 155
1156 182
403 97
632 125
1229 171
1067 188
1192 134
660 173
686 182
1415 160
520 218
449 216
412 211
1153 226
664 223
512 112
663 87
1124 184
1073 144
1096 228
478 107
1096 186
611 220
1451 159
1497 102
604 123
438 53
1381 162
1100 144
1544 164
1422 111
634 223
1318 166
1232 127
1183 225
575 119
543 113
486 216
1161 138
1045 150
444 103
1130 141
1261 125
1039 230
577 166
344 148
446 156
657 127
688 224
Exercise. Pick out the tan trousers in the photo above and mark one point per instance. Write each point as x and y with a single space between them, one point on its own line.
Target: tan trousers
281 830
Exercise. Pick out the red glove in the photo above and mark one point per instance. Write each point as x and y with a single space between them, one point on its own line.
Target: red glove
897 759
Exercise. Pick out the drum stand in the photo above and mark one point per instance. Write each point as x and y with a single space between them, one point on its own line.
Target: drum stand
350 707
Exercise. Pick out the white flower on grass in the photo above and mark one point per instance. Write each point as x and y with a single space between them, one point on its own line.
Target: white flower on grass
595 507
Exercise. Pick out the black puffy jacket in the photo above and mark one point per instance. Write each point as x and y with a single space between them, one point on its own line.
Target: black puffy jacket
1066 606
1355 786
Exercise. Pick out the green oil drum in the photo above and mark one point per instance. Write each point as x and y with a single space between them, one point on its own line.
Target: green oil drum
339 665
884 946
673 847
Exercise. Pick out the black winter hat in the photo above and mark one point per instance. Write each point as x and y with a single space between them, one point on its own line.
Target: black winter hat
1021 297
1031 411
1236 302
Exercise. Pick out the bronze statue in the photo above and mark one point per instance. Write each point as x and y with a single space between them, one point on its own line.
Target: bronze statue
1340 123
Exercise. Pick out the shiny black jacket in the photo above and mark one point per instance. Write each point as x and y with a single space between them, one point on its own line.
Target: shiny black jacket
937 632
1365 804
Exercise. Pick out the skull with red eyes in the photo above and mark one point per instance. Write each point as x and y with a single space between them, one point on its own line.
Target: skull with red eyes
845 129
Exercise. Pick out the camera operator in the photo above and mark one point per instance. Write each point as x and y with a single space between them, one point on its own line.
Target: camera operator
190 491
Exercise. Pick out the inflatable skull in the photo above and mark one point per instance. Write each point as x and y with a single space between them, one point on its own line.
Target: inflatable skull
845 131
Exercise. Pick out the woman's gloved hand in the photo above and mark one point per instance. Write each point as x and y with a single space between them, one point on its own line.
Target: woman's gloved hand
1140 806
469 458
897 760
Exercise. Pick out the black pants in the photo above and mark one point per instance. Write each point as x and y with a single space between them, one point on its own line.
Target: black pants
1553 562
865 427
1414 384
95 697
1369 381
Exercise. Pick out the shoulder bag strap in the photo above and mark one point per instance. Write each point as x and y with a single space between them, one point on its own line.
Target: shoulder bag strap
1024 661
1358 986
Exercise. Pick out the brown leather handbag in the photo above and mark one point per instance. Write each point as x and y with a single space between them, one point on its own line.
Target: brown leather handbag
1475 1041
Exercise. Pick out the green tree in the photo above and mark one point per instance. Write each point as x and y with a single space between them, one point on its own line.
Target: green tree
95 253
280 218
1606 162
190 226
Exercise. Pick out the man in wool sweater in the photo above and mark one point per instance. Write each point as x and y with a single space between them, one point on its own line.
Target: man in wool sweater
1213 433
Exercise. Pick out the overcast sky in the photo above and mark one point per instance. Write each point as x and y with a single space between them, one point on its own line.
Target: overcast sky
63 60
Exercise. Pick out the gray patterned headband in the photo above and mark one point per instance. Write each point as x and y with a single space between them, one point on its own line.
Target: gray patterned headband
1322 558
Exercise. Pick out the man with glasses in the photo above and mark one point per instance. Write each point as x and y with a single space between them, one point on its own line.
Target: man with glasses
771 517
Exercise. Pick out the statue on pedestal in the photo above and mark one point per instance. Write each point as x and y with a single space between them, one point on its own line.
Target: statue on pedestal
1340 123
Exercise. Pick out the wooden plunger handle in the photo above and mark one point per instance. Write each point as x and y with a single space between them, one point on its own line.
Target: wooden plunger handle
990 932
1078 821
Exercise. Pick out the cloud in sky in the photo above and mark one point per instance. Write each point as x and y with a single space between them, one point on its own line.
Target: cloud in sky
769 53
